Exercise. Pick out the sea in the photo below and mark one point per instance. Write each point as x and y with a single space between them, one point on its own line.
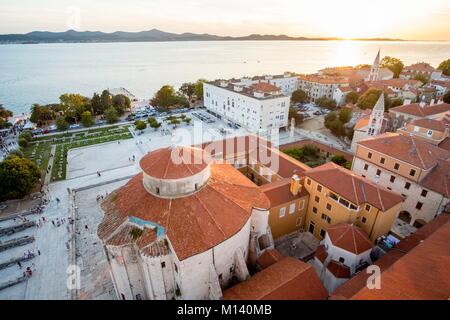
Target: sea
40 73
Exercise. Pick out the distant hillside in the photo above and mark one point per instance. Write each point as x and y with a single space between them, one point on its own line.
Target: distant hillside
142 36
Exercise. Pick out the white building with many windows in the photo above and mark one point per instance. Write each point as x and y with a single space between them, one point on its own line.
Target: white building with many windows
257 106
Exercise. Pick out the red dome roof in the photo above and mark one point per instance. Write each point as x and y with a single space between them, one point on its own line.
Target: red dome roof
174 162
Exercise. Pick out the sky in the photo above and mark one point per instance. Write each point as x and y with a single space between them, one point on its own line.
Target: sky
405 19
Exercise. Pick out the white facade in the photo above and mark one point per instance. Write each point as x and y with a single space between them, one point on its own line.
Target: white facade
318 87
344 257
255 111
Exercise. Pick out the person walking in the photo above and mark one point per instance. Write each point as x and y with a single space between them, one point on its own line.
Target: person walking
19 264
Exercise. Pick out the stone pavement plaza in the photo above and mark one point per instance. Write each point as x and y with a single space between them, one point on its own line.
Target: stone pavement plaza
62 246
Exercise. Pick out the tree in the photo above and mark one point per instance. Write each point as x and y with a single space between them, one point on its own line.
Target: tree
299 96
111 115
87 120
165 97
325 102
73 105
393 64
5 113
345 115
198 92
422 78
41 115
18 176
140 125
396 102
154 123
339 159
62 124
188 89
121 103
370 98
352 97
27 135
175 122
447 97
187 120
17 153
106 100
23 143
4 124
445 67
96 104
293 113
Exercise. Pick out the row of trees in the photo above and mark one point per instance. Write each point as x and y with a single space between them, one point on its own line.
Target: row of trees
74 108
168 98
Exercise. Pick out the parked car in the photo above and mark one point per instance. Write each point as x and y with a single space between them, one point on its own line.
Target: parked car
37 132
74 126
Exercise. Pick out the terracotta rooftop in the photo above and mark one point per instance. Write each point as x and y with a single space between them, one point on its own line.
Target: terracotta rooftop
410 149
350 238
321 253
193 224
397 83
288 279
265 87
279 192
420 66
269 257
352 187
415 109
445 144
356 283
174 162
339 270
438 125
438 179
421 274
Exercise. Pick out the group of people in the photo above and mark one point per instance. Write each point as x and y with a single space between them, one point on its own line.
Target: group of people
60 221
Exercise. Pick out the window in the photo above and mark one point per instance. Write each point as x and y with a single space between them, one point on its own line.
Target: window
389 188
382 160
301 205
220 277
157 190
282 212
176 267
292 208
138 296
334 197
308 181
369 155
314 209
353 207
364 219
319 188
424 193
123 296
378 172
328 207
407 185
322 233
311 227
163 264
419 205
344 202
366 166
341 260
317 199
392 179
412 173
396 166
298 223
367 207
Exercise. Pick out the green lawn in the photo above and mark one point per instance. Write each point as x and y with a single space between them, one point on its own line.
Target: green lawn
40 148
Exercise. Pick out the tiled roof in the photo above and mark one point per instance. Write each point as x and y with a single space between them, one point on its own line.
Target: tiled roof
420 66
288 279
407 148
438 125
195 223
268 258
398 83
421 274
174 162
279 192
438 179
415 109
265 87
353 187
350 238
445 144
321 253
359 281
339 270
362 123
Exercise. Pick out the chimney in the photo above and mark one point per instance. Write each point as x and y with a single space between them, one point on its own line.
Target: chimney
422 104
296 187
406 102
432 102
